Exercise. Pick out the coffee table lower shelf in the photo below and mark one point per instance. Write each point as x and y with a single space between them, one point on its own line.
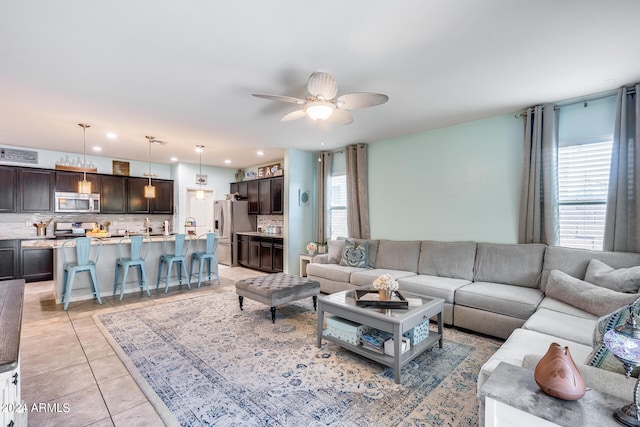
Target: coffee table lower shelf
385 359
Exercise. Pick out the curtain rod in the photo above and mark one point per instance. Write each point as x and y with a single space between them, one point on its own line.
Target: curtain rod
630 91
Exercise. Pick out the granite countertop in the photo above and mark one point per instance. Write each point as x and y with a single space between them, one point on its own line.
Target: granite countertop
57 243
261 234
24 237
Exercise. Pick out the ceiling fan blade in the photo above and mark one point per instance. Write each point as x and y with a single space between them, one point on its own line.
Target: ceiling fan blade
361 100
340 117
281 98
298 114
322 85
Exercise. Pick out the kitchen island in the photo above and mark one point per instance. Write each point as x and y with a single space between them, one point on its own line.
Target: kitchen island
106 266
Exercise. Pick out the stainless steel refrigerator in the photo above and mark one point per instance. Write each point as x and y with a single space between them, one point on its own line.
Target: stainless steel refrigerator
229 218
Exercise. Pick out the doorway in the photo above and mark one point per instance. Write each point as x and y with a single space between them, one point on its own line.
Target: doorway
201 210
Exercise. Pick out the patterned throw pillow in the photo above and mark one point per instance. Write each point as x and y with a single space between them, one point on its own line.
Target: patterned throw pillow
355 254
601 357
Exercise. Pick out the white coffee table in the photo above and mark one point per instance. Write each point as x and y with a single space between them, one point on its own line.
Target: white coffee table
395 321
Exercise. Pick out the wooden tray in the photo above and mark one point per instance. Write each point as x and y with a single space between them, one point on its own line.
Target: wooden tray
364 299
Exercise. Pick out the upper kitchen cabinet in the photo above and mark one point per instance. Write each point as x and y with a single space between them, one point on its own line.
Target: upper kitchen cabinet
163 203
36 190
8 193
253 193
68 181
136 202
277 190
265 196
113 192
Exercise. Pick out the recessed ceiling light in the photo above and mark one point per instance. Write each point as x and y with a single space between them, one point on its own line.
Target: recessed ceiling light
174 159
112 135
97 148
227 161
260 153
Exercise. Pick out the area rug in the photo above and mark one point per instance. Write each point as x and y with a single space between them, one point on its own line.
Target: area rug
211 364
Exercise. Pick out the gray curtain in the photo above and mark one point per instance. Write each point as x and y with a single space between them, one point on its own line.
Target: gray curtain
325 161
539 210
622 231
357 192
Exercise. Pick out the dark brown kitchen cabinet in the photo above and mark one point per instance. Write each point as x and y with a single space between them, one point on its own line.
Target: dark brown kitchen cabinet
261 253
8 189
113 192
254 254
278 255
68 181
136 202
253 197
36 190
277 191
265 196
266 256
243 250
9 259
36 264
163 203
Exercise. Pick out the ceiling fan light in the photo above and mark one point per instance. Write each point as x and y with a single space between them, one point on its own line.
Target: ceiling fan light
320 110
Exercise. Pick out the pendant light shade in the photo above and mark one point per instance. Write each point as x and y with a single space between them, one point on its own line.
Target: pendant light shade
200 191
84 186
149 190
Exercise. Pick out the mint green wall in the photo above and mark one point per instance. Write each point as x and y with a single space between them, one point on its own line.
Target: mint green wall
299 221
456 183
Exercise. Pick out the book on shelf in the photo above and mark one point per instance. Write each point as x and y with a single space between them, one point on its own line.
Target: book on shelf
374 340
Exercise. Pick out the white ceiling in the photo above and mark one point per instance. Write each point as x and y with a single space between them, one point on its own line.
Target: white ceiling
183 71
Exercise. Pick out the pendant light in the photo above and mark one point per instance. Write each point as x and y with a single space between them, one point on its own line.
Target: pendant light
84 186
200 191
149 190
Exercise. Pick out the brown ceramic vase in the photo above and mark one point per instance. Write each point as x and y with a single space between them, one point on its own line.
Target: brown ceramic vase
557 375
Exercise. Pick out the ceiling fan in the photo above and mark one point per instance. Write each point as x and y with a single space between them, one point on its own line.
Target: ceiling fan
322 103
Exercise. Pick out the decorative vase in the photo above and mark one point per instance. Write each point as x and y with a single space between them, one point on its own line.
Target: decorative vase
385 294
312 252
557 375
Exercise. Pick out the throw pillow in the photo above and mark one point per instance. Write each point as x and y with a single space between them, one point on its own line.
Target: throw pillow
586 296
355 254
334 251
601 357
621 280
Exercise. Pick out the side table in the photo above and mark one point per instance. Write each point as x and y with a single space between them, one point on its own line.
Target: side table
513 398
304 260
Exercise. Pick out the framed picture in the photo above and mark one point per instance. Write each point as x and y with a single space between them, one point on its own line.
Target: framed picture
120 168
201 179
304 198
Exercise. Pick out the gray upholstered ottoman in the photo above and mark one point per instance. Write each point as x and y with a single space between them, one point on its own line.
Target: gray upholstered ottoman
277 289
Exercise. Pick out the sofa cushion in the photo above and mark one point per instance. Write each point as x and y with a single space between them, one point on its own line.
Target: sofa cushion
447 259
334 251
366 277
355 254
586 296
398 255
515 301
433 286
562 325
335 272
518 265
562 307
600 356
621 280
574 262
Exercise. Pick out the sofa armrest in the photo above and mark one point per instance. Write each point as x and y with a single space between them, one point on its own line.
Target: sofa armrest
598 379
321 259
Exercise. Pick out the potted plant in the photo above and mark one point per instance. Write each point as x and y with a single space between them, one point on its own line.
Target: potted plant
322 247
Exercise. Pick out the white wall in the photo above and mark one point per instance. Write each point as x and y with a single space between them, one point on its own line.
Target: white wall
457 183
300 228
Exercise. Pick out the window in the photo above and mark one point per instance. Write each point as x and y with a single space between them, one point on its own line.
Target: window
583 181
338 207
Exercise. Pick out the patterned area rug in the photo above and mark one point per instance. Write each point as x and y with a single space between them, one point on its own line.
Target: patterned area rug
212 364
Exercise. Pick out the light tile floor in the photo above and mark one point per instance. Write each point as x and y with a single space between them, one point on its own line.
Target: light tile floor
68 364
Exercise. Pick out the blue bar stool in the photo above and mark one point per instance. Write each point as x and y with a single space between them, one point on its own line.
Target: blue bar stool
210 254
177 257
139 247
83 263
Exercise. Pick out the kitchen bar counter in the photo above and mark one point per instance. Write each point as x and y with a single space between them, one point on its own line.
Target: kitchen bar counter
261 234
106 266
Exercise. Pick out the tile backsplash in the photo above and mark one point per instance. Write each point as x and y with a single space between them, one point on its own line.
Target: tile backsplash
270 221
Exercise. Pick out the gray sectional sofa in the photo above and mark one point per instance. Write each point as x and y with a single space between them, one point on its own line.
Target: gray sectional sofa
498 290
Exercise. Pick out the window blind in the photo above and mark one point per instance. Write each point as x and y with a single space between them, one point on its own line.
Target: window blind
583 181
338 207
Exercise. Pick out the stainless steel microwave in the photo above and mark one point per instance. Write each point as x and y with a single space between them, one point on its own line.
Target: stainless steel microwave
77 202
